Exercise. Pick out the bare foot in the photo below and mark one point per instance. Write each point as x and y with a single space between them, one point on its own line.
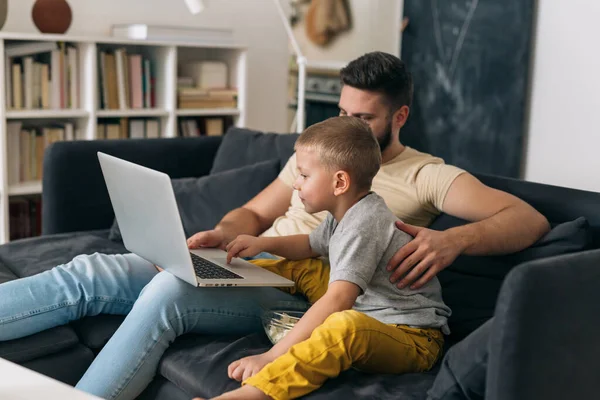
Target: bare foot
246 392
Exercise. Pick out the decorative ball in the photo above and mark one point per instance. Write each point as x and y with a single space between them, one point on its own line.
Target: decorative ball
3 12
52 16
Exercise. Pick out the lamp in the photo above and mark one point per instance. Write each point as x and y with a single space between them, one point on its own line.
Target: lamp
301 62
195 6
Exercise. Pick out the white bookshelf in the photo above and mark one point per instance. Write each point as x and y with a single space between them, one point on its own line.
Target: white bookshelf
165 56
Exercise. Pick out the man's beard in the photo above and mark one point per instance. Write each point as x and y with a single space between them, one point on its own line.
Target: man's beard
386 139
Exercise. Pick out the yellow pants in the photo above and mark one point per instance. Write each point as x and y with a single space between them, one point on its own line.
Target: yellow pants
348 338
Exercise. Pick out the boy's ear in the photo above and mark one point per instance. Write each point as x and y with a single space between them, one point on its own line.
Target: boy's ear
341 182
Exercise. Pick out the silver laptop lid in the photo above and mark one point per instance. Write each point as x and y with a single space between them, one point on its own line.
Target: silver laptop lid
147 214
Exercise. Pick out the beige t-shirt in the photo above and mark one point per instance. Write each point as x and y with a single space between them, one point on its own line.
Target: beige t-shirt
413 185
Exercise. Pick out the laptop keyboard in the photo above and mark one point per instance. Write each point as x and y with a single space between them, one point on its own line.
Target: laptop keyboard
207 270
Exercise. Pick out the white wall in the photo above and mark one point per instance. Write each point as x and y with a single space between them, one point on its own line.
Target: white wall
255 22
564 126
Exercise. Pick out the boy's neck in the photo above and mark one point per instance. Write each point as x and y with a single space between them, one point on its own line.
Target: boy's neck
345 202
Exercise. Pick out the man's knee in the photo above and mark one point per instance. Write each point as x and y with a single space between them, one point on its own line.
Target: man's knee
165 288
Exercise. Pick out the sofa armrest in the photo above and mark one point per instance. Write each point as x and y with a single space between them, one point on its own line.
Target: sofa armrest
545 337
74 196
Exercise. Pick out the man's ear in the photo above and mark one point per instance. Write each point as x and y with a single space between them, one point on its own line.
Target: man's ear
341 182
400 116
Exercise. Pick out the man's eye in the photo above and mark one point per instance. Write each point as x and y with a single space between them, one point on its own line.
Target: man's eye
366 118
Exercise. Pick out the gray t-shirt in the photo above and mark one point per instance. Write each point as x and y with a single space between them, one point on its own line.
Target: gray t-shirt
359 247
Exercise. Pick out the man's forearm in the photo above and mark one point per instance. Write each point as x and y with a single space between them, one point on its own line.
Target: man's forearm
295 247
508 231
239 222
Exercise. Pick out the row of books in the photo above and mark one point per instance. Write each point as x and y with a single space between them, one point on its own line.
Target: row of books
206 98
25 217
125 81
41 75
126 128
26 146
204 126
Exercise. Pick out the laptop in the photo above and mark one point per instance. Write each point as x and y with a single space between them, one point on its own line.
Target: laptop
148 217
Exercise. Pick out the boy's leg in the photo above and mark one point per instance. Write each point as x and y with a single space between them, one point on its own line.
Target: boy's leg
345 339
88 285
166 308
311 276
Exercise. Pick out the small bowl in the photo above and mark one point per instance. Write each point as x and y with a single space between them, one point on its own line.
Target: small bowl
278 323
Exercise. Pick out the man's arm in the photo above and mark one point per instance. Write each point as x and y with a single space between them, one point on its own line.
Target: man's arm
502 224
253 218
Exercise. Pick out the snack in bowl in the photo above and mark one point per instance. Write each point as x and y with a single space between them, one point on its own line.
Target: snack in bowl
278 323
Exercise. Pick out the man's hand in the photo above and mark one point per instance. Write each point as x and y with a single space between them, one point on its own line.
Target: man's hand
427 254
243 246
246 367
212 238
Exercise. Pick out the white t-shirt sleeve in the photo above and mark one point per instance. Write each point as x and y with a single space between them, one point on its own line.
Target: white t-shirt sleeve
433 182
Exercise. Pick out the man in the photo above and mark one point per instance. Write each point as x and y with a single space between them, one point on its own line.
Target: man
159 307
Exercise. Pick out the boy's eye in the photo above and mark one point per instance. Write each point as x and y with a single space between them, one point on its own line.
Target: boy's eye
303 176
342 113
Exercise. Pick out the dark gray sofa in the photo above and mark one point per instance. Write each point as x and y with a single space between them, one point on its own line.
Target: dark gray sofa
545 299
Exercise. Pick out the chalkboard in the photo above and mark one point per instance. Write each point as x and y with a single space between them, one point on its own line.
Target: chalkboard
470 64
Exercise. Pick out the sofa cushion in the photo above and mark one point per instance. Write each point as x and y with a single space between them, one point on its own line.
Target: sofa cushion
203 201
66 366
30 256
470 286
241 147
94 332
41 344
198 365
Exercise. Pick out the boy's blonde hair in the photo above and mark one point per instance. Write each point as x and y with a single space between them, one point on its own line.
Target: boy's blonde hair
344 143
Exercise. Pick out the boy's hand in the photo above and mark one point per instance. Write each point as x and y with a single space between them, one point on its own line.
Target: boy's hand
243 246
212 238
246 367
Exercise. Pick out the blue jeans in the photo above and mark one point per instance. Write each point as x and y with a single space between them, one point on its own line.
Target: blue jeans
159 307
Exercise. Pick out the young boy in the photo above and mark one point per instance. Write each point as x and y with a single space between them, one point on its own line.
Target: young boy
362 320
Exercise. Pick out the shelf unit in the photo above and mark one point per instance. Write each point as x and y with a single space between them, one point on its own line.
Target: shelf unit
165 56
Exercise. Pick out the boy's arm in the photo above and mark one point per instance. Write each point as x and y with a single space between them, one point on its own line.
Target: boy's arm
340 296
294 247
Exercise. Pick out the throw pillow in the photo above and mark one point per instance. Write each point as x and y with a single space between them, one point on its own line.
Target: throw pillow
470 286
203 201
242 147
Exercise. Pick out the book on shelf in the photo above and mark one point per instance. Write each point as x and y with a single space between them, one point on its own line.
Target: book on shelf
206 98
126 81
25 217
128 128
26 147
172 33
41 76
204 126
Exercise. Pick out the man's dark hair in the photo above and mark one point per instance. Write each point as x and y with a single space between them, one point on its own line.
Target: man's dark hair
380 72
